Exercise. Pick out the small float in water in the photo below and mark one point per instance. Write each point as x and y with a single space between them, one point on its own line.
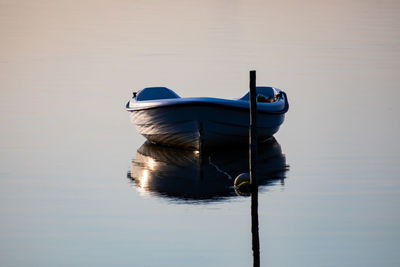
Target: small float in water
165 118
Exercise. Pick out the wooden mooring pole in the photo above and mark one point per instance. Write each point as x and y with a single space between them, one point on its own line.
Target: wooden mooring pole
253 130
252 162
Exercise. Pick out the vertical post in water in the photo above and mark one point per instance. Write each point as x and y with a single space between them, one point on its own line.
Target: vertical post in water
252 162
253 130
201 150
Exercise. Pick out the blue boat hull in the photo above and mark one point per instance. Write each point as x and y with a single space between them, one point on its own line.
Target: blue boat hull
197 123
196 126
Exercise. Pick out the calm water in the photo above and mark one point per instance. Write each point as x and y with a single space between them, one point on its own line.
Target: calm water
67 68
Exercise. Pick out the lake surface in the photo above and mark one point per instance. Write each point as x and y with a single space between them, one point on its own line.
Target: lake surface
67 68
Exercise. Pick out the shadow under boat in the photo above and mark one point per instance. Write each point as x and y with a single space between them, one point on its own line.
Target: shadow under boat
200 177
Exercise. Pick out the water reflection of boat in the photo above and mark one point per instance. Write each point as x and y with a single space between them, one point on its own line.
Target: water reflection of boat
190 175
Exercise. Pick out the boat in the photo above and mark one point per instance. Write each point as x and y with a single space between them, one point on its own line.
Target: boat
165 118
190 176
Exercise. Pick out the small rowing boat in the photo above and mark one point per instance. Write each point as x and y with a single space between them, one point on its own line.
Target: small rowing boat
165 118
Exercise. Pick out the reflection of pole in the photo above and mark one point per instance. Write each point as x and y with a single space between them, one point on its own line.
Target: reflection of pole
254 229
252 163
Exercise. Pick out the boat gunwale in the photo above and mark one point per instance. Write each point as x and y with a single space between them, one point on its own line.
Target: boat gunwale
217 102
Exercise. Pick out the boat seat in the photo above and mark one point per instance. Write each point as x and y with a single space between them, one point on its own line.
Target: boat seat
268 92
150 93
